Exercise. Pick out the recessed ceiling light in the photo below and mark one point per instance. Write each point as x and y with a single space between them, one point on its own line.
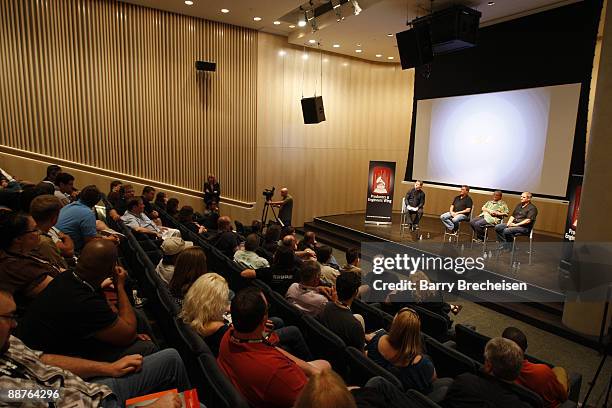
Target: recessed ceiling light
189 2
357 50
291 26
312 41
389 58
224 11
256 18
378 55
277 23
491 3
390 35
336 45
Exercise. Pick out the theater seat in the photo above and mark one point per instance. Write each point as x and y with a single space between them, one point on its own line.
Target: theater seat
449 362
419 400
361 369
324 344
433 324
219 392
374 318
279 307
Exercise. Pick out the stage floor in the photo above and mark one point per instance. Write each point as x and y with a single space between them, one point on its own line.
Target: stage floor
540 269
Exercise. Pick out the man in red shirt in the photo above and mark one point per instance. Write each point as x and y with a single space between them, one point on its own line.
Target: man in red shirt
549 383
266 375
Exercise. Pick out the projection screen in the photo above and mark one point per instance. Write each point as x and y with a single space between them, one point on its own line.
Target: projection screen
513 141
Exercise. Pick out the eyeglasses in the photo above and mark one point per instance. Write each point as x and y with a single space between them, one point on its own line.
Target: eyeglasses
29 231
12 316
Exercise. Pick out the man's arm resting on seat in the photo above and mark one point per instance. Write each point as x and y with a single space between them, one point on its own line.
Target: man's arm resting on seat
89 368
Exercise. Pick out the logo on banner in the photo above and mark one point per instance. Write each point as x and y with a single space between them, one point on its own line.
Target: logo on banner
381 180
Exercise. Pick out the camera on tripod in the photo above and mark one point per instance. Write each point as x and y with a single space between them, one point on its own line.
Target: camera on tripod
269 193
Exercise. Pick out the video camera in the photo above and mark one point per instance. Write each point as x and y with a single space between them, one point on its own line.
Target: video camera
269 193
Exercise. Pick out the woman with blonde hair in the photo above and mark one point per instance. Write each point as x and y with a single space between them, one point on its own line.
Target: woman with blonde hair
206 301
400 352
189 266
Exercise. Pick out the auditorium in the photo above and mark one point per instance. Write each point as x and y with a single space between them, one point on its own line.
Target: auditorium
305 203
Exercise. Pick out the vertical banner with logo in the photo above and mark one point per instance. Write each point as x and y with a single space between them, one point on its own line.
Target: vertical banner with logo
381 180
573 209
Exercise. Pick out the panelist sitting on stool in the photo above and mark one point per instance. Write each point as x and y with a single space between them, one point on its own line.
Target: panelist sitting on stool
459 210
493 212
415 200
520 223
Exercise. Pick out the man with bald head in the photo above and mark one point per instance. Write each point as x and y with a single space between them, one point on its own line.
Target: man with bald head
72 317
285 206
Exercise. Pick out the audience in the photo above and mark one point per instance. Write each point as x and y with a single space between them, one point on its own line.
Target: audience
338 317
120 201
271 238
309 241
185 217
503 361
328 273
248 257
190 265
148 194
308 295
325 390
161 199
283 272
226 240
115 186
64 188
266 375
353 261
54 246
136 219
113 382
400 352
52 172
73 317
549 383
171 248
172 207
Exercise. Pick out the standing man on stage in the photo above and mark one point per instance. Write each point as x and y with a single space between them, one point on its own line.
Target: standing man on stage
459 210
285 205
415 200
212 191
520 223
493 212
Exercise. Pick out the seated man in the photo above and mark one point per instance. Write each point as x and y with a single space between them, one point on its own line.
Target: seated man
54 246
328 273
148 195
308 295
52 172
415 200
459 211
338 317
136 219
493 212
128 377
64 187
353 261
520 222
265 374
73 317
549 383
248 257
503 361
226 240
309 241
78 219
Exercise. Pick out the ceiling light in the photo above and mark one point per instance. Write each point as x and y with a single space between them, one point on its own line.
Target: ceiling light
189 2
390 35
312 41
378 55
302 23
491 3
224 11
336 45
389 58
358 45
292 26
277 23
256 18
357 50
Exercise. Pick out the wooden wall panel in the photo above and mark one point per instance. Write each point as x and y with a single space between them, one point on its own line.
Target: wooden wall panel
114 86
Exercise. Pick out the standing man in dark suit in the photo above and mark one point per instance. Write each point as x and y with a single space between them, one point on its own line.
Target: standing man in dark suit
212 191
415 201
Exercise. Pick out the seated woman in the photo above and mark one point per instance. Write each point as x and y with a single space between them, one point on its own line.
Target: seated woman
190 265
161 199
273 234
185 217
400 352
283 272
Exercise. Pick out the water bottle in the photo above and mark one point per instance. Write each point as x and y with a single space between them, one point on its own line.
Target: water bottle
484 255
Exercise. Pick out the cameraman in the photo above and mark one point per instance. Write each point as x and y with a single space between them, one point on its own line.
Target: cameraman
285 205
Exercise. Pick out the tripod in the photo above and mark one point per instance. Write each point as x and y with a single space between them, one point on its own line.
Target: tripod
264 214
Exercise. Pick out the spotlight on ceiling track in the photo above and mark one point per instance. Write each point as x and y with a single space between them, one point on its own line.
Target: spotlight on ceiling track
302 20
356 8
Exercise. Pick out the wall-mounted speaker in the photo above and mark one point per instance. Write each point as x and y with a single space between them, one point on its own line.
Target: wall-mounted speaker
415 46
312 109
206 66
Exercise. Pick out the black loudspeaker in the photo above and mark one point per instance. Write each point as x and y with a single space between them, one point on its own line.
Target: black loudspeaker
206 66
313 111
414 46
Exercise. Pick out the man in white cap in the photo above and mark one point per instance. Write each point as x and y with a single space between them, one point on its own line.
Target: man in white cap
171 247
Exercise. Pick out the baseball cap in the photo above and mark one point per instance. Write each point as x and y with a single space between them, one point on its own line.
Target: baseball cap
174 245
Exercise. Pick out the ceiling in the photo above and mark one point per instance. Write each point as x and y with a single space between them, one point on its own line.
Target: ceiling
367 31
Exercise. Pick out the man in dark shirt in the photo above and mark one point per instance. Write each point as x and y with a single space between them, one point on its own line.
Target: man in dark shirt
415 201
309 241
148 195
338 317
520 222
73 317
226 240
459 210
492 389
285 205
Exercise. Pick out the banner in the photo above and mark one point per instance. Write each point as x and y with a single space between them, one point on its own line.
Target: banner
573 209
381 180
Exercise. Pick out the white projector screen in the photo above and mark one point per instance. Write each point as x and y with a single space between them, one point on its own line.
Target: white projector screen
514 141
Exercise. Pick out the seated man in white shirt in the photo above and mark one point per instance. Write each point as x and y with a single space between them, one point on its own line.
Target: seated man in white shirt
248 257
308 295
136 219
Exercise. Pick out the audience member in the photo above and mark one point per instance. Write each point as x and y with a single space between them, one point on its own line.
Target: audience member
520 222
459 211
21 273
338 317
190 265
283 272
503 361
415 201
400 352
493 212
78 219
171 248
290 242
30 192
136 219
271 238
325 390
549 383
212 191
64 188
226 240
115 186
172 207
52 172
114 383
248 257
353 261
309 241
120 201
73 317
54 246
308 295
185 217
328 273
161 199
266 375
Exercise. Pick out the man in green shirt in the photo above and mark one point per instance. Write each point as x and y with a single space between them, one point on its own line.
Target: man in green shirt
493 212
